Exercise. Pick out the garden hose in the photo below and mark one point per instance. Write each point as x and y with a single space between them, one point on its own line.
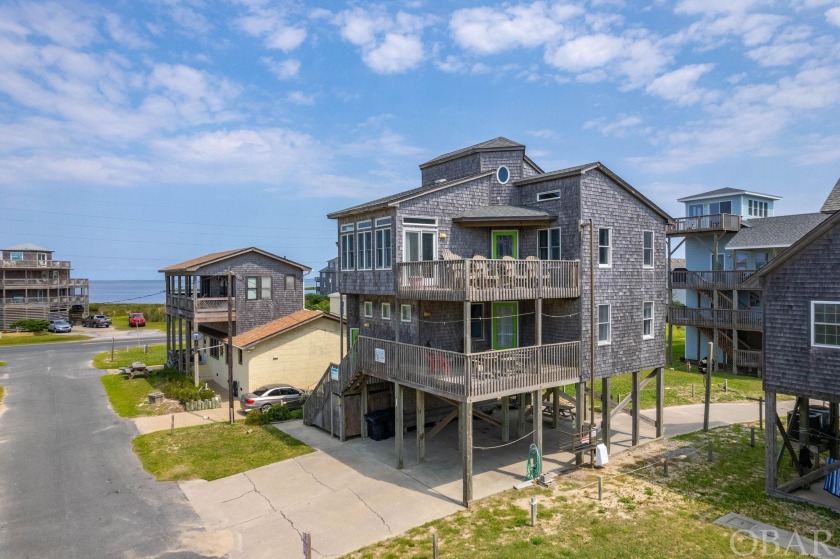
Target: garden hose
534 464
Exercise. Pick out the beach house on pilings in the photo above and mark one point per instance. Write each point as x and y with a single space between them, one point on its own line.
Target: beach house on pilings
478 285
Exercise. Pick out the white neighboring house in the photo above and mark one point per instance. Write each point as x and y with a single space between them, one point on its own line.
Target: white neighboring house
295 349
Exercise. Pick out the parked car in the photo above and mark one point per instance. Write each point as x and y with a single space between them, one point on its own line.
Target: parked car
59 326
96 321
266 396
136 319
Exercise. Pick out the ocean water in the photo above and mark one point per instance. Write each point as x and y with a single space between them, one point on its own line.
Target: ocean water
128 291
137 291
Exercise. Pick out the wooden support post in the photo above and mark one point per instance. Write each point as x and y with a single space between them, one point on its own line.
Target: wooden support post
670 356
467 449
399 432
520 415
421 426
804 429
660 402
605 411
708 399
634 437
538 420
834 443
363 406
580 390
505 419
555 407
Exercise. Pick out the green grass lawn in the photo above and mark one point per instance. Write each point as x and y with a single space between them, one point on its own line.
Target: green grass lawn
40 338
155 314
124 357
121 323
643 513
129 398
214 451
2 393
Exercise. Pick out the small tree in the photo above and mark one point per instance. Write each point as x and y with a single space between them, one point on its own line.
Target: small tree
31 325
317 302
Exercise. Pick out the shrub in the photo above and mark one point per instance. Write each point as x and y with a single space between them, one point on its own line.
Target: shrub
31 325
175 385
277 412
317 302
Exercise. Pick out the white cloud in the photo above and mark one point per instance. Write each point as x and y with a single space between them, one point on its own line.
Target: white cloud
271 25
389 44
490 30
282 69
396 53
680 86
300 98
124 35
586 53
832 16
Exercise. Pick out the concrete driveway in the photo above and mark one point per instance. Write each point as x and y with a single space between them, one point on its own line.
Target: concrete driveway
349 495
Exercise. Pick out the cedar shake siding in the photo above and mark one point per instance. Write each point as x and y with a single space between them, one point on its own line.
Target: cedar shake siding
793 365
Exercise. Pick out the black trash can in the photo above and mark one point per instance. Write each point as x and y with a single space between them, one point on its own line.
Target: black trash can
380 424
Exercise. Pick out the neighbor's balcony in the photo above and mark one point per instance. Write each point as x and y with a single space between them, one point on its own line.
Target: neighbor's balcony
478 376
716 318
199 309
488 280
74 299
718 279
716 223
11 283
35 264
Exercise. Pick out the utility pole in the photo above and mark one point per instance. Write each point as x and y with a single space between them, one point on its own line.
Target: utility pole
230 343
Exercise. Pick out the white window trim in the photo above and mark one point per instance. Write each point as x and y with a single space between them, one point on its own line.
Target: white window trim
814 323
598 323
652 249
342 253
652 320
383 313
609 246
541 198
548 238
410 230
403 314
364 247
407 223
376 247
367 309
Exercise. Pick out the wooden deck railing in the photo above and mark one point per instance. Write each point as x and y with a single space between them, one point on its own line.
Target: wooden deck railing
708 279
716 318
34 264
749 358
319 396
477 376
488 280
715 223
199 305
43 282
81 299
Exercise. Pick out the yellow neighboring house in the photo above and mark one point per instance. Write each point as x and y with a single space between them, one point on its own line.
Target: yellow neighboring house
295 349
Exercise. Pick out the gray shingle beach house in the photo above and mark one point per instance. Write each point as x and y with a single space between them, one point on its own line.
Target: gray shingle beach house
494 279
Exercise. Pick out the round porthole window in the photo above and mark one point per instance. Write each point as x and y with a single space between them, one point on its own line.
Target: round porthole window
503 174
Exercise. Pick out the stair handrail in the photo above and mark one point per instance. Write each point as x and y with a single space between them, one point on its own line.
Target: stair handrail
319 396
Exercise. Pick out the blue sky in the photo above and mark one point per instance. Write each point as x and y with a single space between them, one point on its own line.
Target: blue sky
137 134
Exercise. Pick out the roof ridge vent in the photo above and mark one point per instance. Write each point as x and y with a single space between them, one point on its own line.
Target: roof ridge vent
440 181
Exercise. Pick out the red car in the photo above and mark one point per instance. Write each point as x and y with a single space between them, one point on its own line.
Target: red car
136 319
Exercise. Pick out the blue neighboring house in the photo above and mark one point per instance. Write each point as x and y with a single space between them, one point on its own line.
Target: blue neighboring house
728 234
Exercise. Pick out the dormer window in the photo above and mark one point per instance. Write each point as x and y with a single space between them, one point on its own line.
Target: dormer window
757 208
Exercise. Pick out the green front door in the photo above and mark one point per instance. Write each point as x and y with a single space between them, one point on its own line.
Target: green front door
505 325
354 335
505 243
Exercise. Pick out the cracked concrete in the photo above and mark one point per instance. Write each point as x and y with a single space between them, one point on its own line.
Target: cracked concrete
349 495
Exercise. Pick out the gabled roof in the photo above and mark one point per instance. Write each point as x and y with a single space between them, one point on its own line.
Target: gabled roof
256 335
774 232
832 203
496 144
583 169
829 223
196 263
721 192
395 199
28 246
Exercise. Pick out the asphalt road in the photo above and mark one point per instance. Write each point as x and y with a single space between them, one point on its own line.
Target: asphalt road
70 484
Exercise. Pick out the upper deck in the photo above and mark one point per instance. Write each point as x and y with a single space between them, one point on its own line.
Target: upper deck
715 223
